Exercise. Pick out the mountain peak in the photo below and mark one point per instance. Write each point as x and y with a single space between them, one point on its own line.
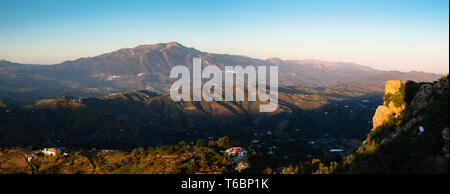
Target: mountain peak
274 60
160 45
173 43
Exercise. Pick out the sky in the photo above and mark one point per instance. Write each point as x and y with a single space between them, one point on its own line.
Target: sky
400 35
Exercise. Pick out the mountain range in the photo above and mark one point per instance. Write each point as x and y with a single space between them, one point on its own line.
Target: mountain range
148 67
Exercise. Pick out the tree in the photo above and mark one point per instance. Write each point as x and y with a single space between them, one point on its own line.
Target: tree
268 170
200 143
212 143
182 143
138 153
224 142
190 167
290 170
323 169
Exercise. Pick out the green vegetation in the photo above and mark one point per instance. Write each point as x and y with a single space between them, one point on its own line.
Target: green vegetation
376 135
168 159
315 166
74 164
397 98
290 170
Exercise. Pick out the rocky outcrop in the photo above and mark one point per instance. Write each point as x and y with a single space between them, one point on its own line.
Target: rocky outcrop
414 140
426 94
393 86
424 97
389 109
409 112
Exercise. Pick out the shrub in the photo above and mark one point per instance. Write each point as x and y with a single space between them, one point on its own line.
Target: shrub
397 98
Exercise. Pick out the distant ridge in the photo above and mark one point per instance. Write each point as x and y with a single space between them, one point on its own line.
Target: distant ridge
148 67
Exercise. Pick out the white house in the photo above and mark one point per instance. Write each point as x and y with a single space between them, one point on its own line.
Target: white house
238 152
50 151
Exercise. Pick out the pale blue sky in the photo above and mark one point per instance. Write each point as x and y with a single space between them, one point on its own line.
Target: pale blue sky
390 35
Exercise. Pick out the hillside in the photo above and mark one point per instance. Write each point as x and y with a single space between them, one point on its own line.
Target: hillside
16 82
187 158
142 118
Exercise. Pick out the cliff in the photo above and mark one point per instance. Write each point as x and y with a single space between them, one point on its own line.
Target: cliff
410 131
393 102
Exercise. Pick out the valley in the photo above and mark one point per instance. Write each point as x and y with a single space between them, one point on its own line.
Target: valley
119 101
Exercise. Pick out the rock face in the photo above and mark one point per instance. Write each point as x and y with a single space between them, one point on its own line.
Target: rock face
381 114
442 83
409 112
421 100
424 96
385 111
393 86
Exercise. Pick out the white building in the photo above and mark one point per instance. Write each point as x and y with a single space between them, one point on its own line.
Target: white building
237 152
50 151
